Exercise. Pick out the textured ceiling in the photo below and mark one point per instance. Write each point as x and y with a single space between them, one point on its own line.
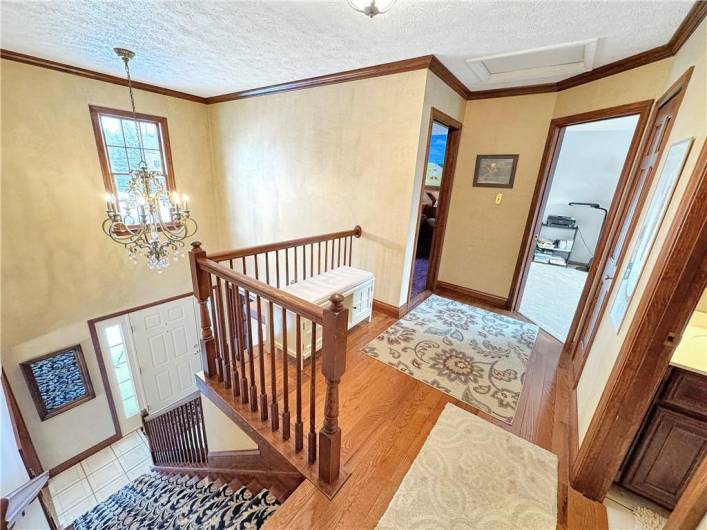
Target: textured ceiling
209 48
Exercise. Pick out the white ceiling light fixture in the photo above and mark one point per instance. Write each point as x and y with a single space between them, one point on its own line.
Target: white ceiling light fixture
371 8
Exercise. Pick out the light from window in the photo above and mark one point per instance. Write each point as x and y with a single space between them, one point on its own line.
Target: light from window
121 368
119 145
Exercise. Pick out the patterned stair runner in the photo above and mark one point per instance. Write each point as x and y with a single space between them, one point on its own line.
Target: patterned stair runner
167 502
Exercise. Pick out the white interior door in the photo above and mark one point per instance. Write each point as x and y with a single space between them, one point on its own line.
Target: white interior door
167 351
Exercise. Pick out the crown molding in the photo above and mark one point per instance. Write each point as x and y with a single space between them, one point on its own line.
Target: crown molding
693 19
92 74
689 24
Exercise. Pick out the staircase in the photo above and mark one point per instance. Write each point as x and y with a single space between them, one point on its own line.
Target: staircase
172 501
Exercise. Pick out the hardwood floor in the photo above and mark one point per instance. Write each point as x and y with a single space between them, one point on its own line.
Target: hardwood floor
386 416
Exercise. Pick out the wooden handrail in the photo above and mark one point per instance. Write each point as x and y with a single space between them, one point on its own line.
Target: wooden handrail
277 296
176 404
13 505
270 247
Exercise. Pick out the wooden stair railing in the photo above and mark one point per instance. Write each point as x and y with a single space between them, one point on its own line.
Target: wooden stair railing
233 352
176 434
14 504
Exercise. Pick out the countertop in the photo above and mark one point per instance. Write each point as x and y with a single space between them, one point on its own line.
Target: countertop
691 353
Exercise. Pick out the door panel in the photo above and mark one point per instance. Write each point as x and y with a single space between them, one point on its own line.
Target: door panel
167 350
587 327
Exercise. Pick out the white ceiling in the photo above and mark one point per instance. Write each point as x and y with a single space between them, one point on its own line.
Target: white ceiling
209 48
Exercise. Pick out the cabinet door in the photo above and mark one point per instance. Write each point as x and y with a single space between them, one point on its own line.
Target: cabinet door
667 453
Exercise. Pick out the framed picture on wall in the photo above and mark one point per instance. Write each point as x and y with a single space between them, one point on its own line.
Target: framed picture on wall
495 171
58 381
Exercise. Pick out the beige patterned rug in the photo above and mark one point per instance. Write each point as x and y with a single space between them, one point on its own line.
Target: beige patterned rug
474 355
474 475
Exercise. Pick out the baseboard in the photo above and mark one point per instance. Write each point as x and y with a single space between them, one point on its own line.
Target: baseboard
83 455
389 309
473 295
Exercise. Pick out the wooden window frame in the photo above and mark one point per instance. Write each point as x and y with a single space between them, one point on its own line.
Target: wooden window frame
162 131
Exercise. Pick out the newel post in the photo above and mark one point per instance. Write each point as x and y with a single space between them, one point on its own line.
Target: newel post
201 282
333 367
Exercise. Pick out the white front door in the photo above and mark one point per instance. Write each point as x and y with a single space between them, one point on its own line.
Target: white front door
167 351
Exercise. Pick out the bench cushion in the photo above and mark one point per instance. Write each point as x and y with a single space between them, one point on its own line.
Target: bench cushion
319 288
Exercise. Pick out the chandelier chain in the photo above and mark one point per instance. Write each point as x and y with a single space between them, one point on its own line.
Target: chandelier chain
126 60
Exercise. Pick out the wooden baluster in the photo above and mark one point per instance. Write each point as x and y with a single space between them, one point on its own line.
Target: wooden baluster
263 398
338 252
277 269
326 256
217 334
232 319
298 389
311 259
267 268
332 253
243 265
312 437
257 273
240 333
225 372
201 283
285 381
189 420
178 435
333 367
294 251
350 249
253 397
274 413
319 257
157 424
287 267
204 441
183 428
230 263
346 245
304 263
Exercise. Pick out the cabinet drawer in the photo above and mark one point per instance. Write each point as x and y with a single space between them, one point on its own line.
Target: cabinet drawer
688 391
665 456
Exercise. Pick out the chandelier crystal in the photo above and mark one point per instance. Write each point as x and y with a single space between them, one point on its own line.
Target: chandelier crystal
153 223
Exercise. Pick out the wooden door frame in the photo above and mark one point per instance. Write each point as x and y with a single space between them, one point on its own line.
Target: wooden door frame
591 291
548 164
674 288
450 162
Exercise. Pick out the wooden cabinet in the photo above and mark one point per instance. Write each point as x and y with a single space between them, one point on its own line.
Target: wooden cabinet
672 441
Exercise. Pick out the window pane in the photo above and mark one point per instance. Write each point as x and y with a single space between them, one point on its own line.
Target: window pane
118 160
130 131
150 139
118 354
112 131
130 407
134 158
122 372
114 335
126 389
154 160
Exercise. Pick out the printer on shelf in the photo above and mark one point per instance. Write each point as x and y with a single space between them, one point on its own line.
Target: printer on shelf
561 220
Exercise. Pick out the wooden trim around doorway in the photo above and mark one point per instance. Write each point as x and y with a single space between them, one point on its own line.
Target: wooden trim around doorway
674 287
544 183
445 192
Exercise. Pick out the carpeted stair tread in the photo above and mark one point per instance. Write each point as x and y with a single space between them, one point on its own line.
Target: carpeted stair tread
174 502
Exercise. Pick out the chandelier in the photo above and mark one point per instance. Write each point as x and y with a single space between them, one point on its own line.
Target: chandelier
152 223
370 8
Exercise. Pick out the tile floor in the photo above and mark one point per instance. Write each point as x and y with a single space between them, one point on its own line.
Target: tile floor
81 487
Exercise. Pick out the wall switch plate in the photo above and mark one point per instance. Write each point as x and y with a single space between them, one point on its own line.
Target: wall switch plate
499 197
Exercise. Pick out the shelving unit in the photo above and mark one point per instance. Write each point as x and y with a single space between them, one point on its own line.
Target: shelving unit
554 252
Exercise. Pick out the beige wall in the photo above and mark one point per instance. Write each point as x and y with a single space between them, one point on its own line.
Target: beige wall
438 95
691 121
58 268
323 159
482 239
222 434
479 232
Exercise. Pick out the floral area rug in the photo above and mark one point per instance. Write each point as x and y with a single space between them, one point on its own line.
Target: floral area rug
471 354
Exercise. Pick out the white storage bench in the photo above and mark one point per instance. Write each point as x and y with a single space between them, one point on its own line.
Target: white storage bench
355 285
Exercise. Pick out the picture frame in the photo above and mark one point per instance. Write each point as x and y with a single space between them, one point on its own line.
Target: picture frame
58 381
495 171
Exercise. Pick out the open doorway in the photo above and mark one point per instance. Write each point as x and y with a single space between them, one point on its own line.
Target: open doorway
440 160
589 162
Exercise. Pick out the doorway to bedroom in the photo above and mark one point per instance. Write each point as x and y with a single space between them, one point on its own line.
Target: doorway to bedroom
590 159
440 160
